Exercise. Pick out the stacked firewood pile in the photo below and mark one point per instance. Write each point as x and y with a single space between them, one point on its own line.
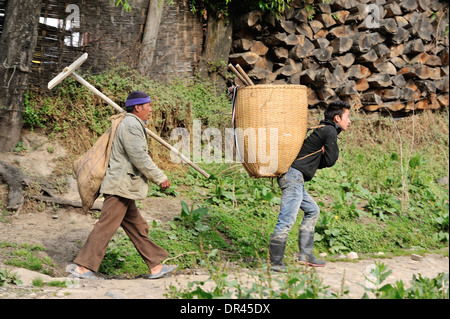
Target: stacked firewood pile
385 55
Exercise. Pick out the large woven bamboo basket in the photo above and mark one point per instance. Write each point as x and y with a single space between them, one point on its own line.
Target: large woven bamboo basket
271 125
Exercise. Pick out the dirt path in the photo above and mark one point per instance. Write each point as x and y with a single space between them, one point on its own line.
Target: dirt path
353 273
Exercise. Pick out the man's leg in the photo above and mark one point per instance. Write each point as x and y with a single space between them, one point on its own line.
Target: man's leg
137 229
291 184
306 232
93 251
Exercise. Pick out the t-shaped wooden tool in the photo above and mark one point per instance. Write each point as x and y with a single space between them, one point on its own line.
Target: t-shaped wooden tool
70 71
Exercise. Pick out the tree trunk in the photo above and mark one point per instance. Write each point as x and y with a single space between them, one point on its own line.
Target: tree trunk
17 44
213 62
148 46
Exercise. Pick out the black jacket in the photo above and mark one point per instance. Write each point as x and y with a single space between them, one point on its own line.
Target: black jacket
324 136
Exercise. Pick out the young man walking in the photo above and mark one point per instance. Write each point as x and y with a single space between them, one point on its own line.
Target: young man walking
319 150
126 180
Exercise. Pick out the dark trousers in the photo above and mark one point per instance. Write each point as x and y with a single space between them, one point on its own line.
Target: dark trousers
118 211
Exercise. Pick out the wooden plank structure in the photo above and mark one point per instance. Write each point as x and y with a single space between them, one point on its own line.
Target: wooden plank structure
395 61
109 33
104 31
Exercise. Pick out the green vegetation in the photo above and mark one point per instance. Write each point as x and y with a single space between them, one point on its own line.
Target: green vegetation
26 256
223 7
382 195
296 283
421 288
39 282
304 283
237 8
9 278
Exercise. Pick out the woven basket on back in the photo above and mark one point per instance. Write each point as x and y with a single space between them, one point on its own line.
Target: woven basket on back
271 125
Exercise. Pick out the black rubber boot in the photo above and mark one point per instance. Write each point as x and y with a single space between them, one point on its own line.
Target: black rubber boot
305 244
277 247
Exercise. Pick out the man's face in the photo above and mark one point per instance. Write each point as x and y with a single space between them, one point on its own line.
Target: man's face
344 120
143 111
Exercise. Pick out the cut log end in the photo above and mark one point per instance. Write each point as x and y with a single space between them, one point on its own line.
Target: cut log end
340 54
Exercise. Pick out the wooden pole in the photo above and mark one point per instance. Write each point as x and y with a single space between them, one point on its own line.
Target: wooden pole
240 77
244 75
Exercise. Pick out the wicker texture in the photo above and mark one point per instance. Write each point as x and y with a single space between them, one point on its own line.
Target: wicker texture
282 111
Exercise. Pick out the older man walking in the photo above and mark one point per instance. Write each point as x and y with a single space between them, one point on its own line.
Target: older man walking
126 180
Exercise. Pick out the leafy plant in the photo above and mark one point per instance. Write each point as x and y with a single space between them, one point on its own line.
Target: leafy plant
31 116
221 192
9 278
441 222
415 170
229 7
20 147
121 258
327 232
421 288
157 191
347 203
124 3
382 204
428 288
262 193
193 219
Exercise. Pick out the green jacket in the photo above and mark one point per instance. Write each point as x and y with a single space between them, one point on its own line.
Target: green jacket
130 166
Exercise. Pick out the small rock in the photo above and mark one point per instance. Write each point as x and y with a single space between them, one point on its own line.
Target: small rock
443 181
380 253
323 255
115 295
352 255
60 294
416 257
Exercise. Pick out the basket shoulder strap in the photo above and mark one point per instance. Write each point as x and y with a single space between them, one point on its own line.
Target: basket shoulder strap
314 127
310 129
309 155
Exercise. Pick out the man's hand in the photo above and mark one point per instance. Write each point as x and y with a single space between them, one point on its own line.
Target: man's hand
165 184
323 149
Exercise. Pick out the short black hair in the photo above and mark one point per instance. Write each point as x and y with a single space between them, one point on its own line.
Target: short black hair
336 108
